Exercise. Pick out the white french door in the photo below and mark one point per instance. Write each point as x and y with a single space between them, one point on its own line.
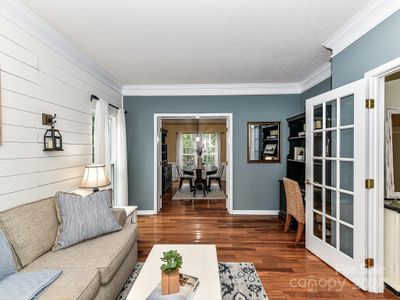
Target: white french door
336 174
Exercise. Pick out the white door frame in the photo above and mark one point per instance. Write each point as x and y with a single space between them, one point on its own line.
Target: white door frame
376 170
156 139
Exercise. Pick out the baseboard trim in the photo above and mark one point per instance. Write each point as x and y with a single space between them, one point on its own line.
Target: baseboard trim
145 212
255 212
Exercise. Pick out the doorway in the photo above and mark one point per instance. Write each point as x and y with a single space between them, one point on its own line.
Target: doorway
185 141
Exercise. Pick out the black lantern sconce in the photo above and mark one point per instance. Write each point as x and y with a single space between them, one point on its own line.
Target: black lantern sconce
52 140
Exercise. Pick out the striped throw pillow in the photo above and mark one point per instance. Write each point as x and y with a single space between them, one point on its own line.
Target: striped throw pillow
7 263
83 218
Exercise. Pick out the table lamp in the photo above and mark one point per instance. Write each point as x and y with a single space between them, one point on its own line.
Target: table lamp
95 176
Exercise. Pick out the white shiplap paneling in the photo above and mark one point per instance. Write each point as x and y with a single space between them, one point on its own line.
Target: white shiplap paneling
34 80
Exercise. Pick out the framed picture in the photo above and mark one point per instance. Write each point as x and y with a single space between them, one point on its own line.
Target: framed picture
270 149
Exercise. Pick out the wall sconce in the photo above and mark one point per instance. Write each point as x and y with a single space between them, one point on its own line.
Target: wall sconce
52 140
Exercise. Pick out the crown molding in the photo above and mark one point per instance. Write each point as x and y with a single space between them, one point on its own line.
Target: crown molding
211 89
316 77
23 17
311 80
367 18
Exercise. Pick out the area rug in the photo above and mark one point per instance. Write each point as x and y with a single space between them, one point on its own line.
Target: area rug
239 281
186 194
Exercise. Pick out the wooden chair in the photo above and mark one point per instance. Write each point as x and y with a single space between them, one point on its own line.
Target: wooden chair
216 177
183 177
295 207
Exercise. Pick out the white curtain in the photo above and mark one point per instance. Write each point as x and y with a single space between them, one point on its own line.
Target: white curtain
121 172
218 150
179 149
101 136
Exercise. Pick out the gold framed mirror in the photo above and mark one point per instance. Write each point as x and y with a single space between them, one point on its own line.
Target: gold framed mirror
264 142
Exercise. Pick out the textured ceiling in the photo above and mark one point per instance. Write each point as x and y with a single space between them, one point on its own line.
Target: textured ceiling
200 41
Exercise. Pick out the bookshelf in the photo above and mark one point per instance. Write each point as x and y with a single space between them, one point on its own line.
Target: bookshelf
295 161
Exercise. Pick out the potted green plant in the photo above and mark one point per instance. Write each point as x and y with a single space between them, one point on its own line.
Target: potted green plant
170 272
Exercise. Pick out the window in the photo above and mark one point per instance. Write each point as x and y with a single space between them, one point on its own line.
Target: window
189 146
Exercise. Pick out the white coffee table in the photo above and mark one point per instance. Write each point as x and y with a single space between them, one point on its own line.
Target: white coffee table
198 260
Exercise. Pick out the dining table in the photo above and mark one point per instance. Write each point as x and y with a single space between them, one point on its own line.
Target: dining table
210 170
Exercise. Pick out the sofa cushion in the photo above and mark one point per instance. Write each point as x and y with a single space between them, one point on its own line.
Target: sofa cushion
77 283
83 218
31 229
105 253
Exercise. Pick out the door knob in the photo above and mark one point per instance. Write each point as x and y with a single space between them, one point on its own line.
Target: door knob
307 181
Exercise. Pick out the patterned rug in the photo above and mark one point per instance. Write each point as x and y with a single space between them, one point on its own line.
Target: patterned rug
186 194
239 281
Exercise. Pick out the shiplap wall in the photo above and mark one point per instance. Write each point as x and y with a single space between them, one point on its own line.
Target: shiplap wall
34 80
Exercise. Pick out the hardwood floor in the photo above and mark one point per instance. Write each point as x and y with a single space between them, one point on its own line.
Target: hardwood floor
287 272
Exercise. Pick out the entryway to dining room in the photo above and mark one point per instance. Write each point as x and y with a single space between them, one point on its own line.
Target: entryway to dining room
192 159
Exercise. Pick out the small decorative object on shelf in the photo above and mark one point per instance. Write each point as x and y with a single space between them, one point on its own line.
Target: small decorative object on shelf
52 140
170 272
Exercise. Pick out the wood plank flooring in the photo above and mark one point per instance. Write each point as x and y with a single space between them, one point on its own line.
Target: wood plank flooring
287 272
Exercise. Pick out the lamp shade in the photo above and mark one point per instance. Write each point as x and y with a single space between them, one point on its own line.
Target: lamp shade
95 176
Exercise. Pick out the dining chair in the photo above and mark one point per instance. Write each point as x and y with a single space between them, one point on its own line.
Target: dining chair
200 181
295 207
216 177
182 177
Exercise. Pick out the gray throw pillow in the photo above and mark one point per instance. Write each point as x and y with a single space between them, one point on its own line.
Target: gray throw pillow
7 263
83 218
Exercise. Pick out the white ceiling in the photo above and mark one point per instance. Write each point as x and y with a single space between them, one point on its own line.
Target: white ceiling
203 41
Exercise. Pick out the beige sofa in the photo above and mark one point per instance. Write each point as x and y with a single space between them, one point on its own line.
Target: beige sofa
93 269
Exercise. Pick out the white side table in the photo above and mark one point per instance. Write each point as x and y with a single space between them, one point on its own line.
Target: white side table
131 213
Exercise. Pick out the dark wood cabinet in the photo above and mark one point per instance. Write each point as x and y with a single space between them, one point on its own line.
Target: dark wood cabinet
296 165
166 169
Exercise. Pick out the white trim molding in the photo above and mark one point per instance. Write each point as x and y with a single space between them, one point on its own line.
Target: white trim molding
211 89
256 212
295 88
367 18
145 212
23 17
316 77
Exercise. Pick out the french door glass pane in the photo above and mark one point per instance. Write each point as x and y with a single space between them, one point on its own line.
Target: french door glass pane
317 225
346 208
330 232
317 171
331 114
346 176
330 142
318 117
330 202
347 143
347 110
318 199
318 144
330 173
346 240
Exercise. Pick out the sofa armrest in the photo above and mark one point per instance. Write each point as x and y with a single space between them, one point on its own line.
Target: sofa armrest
120 215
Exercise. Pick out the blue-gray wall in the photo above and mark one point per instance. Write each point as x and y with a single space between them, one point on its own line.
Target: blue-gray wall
255 186
318 89
378 46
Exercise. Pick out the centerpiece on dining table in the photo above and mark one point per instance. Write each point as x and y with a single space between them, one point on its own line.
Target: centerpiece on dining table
200 149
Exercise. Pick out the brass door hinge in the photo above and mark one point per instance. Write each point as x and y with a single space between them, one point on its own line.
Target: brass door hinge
369 103
369 183
369 263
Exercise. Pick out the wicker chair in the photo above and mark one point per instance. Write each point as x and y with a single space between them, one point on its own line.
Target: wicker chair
183 177
295 207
